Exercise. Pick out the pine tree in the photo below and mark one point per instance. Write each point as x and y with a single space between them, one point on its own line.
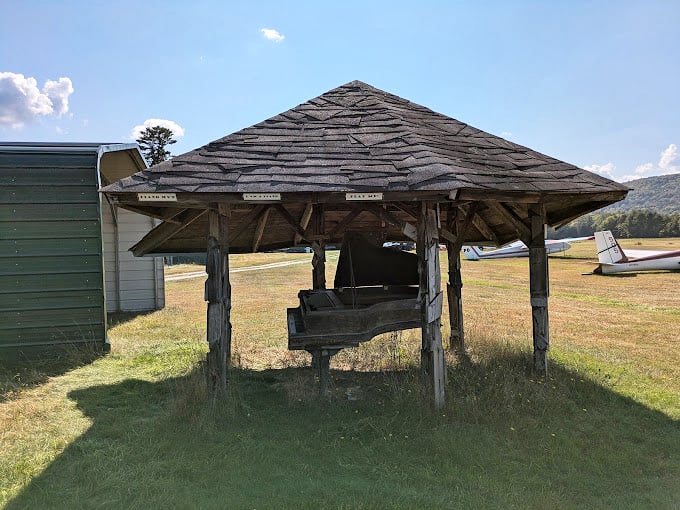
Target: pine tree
153 142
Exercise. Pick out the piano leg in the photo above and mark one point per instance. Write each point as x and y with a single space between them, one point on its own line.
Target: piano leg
324 374
315 359
321 362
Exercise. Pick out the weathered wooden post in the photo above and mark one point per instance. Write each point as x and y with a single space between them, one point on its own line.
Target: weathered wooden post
458 222
432 361
320 361
318 266
218 296
538 284
454 287
454 292
319 282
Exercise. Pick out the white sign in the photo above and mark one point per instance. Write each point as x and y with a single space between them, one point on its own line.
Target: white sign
259 197
157 197
363 196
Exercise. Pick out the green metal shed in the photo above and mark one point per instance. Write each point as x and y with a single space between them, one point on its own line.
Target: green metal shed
64 249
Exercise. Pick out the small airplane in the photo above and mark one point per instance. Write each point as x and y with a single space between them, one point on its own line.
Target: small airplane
613 259
519 249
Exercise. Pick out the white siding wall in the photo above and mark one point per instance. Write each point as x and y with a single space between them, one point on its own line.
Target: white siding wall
137 281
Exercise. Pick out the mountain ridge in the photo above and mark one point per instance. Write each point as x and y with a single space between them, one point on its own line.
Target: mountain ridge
660 193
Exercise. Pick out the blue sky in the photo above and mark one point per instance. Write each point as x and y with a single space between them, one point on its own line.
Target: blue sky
594 83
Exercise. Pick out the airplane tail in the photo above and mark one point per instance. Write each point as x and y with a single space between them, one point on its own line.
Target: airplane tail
471 252
608 249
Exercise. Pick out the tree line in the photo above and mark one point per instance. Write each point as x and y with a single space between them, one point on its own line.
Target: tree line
625 224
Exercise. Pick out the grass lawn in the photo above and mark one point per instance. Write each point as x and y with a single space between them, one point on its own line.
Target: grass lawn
134 428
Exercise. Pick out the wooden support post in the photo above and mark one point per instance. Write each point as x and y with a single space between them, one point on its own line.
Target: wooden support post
454 292
218 296
318 283
538 283
324 367
319 258
458 221
318 266
432 361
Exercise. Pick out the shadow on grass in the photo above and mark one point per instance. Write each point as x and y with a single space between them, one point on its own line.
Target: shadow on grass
21 369
117 318
504 439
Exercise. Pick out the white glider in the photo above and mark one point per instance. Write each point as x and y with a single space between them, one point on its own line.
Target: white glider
519 249
614 260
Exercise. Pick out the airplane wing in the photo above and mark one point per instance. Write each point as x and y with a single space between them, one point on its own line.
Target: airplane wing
576 239
636 254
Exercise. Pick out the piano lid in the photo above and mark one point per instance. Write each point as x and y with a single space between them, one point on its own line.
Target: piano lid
362 264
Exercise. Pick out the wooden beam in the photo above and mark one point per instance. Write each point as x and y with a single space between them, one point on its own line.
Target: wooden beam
259 231
246 222
165 231
304 222
344 223
202 200
408 229
523 232
285 214
413 212
448 235
484 228
218 296
319 220
432 360
539 288
459 221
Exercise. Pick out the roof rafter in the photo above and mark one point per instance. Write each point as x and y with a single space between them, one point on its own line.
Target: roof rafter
165 231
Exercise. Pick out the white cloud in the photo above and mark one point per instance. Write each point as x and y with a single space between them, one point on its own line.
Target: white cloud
628 178
58 91
670 160
640 172
21 101
272 35
176 129
607 170
669 163
644 169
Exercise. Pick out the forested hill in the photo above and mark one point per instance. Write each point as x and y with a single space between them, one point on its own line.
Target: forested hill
660 194
651 209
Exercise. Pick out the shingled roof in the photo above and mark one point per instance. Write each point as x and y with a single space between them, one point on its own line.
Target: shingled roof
359 138
356 138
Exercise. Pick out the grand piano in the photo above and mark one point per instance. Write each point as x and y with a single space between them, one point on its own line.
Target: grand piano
375 291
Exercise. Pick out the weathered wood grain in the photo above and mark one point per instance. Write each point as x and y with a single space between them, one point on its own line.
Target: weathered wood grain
538 283
218 295
432 360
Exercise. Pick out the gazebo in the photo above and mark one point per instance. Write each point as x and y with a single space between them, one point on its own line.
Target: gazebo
360 160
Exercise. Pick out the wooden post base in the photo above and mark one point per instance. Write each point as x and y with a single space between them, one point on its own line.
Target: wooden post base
321 362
